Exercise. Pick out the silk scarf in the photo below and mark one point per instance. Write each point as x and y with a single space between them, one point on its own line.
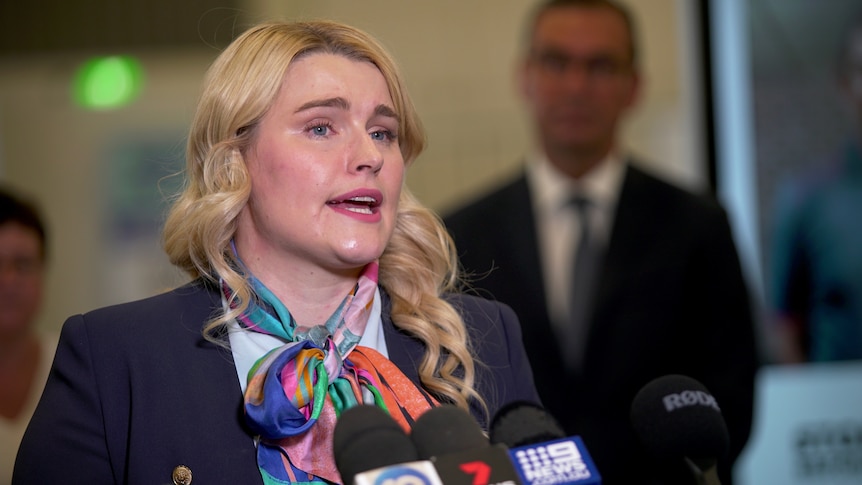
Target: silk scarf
296 391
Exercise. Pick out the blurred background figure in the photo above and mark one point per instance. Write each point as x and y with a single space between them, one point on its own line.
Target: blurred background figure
617 276
25 353
817 241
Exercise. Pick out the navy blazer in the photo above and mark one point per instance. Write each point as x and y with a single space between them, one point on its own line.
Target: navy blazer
670 299
135 390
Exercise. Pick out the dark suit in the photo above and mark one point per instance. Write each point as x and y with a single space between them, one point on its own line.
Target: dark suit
670 299
135 390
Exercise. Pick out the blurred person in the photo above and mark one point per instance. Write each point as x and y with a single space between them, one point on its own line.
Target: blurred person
663 291
816 256
318 283
25 351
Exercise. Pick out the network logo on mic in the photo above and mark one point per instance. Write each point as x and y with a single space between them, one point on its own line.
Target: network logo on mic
491 465
414 473
555 463
683 399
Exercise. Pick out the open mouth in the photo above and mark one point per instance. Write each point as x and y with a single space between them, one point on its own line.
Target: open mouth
359 205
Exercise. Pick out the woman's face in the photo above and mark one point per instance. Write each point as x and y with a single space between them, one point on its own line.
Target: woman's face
21 279
326 171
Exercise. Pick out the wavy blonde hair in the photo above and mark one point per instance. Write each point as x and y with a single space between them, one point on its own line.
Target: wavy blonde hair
419 263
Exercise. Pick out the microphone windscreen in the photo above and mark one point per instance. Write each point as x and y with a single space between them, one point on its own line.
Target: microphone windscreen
675 416
523 423
446 429
365 438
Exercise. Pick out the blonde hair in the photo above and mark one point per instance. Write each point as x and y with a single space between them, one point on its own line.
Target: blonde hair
418 265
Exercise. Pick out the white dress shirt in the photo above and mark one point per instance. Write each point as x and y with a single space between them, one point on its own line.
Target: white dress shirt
557 220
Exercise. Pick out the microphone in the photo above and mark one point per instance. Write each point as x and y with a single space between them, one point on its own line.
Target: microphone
539 448
370 448
459 450
678 420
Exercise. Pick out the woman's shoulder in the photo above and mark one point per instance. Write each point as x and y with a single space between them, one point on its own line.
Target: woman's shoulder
477 310
192 303
194 293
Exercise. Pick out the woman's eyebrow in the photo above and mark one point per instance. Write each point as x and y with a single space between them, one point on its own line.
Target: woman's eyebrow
385 110
337 102
341 103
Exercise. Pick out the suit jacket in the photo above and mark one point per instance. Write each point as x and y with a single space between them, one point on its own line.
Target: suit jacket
670 299
135 390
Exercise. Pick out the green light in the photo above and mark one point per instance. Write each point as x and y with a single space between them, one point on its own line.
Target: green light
108 82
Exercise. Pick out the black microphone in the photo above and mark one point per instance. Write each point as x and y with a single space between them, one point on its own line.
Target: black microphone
459 450
678 420
539 448
370 448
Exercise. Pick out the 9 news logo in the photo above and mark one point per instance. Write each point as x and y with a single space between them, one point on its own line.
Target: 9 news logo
553 463
402 475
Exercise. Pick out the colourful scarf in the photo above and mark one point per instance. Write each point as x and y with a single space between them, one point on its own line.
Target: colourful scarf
296 392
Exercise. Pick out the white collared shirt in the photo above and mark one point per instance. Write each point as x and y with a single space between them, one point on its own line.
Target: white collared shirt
557 220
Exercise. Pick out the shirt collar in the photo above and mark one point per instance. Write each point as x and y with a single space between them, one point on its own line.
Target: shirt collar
552 189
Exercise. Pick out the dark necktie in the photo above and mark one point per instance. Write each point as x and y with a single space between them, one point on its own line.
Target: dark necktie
585 265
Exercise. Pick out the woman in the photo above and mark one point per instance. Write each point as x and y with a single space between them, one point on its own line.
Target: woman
25 351
315 275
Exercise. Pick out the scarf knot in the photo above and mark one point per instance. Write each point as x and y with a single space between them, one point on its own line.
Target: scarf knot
296 391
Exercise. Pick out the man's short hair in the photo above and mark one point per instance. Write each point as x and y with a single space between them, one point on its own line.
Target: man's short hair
625 14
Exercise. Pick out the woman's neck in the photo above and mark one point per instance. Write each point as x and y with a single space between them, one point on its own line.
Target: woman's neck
309 300
310 292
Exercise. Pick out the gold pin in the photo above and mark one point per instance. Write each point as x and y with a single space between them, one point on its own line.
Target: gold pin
182 475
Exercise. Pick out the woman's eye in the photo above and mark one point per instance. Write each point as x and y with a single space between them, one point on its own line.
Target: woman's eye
320 130
383 135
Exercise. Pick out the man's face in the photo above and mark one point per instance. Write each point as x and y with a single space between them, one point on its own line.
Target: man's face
578 78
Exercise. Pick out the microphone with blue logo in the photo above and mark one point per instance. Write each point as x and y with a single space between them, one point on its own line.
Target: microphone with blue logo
539 449
370 448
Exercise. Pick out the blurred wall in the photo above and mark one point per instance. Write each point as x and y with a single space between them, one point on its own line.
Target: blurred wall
457 58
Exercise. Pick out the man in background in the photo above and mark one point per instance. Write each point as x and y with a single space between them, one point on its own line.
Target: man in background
618 277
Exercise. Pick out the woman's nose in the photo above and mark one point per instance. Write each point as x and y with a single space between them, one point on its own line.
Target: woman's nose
366 154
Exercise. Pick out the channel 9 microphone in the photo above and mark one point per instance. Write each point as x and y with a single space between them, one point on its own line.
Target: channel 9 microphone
679 422
539 448
454 443
370 448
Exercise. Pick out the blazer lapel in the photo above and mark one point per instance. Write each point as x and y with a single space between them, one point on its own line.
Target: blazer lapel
635 230
524 283
518 235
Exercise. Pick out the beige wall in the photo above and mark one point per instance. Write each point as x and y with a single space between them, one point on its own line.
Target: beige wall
457 58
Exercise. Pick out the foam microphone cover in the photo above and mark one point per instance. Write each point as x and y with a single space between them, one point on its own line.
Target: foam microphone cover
523 423
675 416
444 430
365 438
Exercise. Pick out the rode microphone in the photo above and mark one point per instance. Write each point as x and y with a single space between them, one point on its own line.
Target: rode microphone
539 448
370 448
461 454
678 420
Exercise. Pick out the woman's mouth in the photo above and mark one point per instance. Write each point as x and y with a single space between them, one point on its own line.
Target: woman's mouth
363 204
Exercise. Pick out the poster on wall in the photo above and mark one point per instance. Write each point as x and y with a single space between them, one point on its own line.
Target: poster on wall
806 73
788 77
142 175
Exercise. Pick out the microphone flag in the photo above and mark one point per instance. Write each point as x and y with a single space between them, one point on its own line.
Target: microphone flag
557 462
